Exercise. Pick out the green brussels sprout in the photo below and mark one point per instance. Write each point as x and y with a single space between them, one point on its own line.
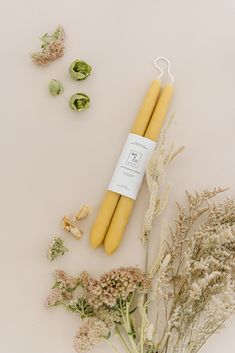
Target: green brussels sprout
79 101
55 87
79 70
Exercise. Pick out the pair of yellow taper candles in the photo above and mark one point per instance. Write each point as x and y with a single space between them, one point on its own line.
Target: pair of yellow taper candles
115 209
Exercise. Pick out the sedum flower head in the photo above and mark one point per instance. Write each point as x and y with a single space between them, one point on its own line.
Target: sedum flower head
92 332
79 102
113 286
52 48
55 87
56 248
79 70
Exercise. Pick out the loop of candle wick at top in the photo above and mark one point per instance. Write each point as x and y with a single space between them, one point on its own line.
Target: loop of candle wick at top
156 64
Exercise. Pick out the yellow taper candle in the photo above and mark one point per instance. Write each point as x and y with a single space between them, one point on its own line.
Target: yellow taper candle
111 198
125 204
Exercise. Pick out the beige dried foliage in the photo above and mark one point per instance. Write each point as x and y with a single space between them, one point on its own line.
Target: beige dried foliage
155 176
192 275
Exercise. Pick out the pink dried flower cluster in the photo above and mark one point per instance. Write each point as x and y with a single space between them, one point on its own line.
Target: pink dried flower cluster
54 298
62 290
65 281
52 49
114 285
92 332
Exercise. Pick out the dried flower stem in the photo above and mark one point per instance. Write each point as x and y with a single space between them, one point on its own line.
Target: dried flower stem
155 175
124 344
107 340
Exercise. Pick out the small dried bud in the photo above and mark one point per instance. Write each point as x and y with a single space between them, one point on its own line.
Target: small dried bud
79 70
79 101
55 87
83 212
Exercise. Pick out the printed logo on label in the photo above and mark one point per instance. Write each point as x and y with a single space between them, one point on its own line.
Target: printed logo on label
130 169
133 159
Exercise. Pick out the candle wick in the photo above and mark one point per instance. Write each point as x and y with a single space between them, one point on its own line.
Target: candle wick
156 64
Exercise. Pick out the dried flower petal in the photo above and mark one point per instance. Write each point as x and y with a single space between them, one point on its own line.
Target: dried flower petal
83 212
71 227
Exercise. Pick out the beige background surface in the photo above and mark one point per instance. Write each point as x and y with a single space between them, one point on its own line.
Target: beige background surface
54 160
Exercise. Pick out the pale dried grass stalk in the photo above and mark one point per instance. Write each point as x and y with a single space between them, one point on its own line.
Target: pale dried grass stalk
155 176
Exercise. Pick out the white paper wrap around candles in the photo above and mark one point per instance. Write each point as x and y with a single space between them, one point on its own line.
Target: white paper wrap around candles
129 172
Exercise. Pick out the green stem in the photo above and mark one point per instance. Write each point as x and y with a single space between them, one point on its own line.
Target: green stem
111 345
146 268
146 256
127 326
129 329
142 336
122 340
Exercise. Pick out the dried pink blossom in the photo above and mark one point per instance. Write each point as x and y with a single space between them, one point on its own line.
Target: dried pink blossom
114 285
54 298
52 48
63 288
92 332
65 281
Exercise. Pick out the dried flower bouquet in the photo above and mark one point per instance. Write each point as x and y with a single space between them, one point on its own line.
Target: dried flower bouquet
177 303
